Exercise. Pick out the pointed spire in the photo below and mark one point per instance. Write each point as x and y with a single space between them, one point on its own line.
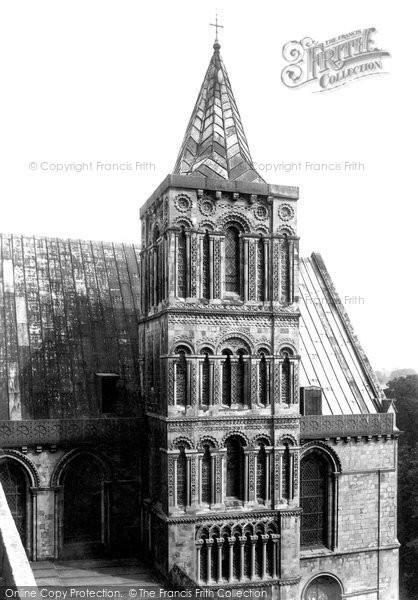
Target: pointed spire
215 144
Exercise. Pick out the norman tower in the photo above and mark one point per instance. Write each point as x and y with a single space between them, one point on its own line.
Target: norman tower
219 358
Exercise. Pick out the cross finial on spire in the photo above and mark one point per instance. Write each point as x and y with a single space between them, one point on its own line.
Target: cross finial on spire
217 26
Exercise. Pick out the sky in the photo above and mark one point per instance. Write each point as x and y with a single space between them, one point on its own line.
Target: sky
113 82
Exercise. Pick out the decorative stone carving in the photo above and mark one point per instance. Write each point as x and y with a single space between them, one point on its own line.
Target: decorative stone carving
183 203
286 212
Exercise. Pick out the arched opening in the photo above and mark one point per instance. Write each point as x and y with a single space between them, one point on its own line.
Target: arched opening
247 556
204 561
84 510
261 278
15 484
314 500
232 260
259 556
270 556
206 266
323 587
182 264
234 467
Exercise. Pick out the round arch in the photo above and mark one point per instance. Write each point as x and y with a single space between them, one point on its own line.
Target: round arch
325 451
235 341
328 586
57 474
28 466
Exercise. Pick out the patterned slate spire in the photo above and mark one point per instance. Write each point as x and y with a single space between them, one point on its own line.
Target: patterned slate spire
215 144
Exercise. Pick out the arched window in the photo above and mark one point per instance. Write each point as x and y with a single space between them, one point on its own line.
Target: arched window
314 500
15 486
323 588
226 378
182 265
204 561
83 500
181 376
259 556
206 476
232 260
234 467
182 478
247 556
261 277
262 380
206 266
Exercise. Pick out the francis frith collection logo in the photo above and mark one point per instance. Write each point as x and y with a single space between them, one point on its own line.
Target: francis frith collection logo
333 63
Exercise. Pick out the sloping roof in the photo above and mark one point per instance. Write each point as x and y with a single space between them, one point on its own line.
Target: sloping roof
331 355
68 310
215 144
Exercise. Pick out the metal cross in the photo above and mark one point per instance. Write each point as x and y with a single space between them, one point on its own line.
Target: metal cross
217 26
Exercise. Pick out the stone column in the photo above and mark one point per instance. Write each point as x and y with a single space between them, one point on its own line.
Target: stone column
245 490
199 545
266 270
211 267
222 267
264 539
217 380
242 541
209 544
220 542
188 382
245 268
277 456
291 271
212 477
254 539
276 568
188 263
251 474
199 477
176 266
175 481
231 542
211 380
268 474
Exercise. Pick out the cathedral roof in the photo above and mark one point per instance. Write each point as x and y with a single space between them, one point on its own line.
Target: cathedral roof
69 311
331 355
215 144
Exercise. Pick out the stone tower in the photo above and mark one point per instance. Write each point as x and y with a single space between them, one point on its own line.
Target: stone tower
219 359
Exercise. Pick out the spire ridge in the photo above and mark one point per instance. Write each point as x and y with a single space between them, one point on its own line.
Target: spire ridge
215 144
